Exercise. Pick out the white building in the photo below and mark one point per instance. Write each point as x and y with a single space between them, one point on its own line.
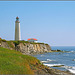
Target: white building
17 29
32 40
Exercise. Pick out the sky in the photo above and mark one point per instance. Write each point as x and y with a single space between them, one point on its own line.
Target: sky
51 22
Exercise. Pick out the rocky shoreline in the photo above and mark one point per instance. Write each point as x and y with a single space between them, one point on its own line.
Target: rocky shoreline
51 71
58 72
31 49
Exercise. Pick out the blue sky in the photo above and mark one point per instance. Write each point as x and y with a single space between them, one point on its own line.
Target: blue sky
51 22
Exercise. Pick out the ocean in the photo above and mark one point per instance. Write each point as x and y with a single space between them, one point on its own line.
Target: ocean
64 61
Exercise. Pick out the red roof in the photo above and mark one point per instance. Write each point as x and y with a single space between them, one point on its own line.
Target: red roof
32 38
0 37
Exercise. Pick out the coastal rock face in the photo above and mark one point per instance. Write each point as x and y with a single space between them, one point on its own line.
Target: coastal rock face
4 45
27 48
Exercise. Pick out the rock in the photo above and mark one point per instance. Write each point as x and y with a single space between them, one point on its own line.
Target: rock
57 72
73 60
29 48
58 50
26 47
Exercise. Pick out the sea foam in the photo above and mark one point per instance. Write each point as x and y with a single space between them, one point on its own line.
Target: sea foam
48 60
51 65
70 68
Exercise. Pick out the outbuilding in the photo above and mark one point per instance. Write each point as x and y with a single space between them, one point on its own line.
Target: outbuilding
32 40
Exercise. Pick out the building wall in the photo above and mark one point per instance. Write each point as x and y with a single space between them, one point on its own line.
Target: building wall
32 40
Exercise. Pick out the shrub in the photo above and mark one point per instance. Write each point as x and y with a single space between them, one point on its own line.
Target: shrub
3 40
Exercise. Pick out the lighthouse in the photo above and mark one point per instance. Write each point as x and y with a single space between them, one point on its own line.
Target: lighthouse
17 29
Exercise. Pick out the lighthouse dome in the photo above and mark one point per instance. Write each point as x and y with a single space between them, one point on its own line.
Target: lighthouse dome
17 17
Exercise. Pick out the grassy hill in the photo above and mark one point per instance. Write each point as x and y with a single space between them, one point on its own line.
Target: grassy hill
14 62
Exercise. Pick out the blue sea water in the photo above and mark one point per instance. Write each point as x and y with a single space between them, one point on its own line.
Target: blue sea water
64 59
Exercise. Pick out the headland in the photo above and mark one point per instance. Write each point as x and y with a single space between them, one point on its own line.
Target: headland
16 58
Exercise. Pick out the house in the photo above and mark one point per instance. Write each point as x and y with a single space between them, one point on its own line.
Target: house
32 40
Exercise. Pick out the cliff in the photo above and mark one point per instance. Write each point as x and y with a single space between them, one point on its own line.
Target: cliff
26 47
14 62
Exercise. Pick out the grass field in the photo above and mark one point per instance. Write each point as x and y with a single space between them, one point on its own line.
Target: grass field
14 62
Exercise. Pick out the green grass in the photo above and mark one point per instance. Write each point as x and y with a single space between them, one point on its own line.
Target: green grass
18 42
21 41
14 62
10 44
2 40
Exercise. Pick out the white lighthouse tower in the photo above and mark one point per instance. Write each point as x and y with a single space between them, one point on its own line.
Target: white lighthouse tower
17 29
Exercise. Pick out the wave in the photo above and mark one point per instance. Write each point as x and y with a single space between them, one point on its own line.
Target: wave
42 55
67 67
70 52
54 65
44 61
50 60
70 68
